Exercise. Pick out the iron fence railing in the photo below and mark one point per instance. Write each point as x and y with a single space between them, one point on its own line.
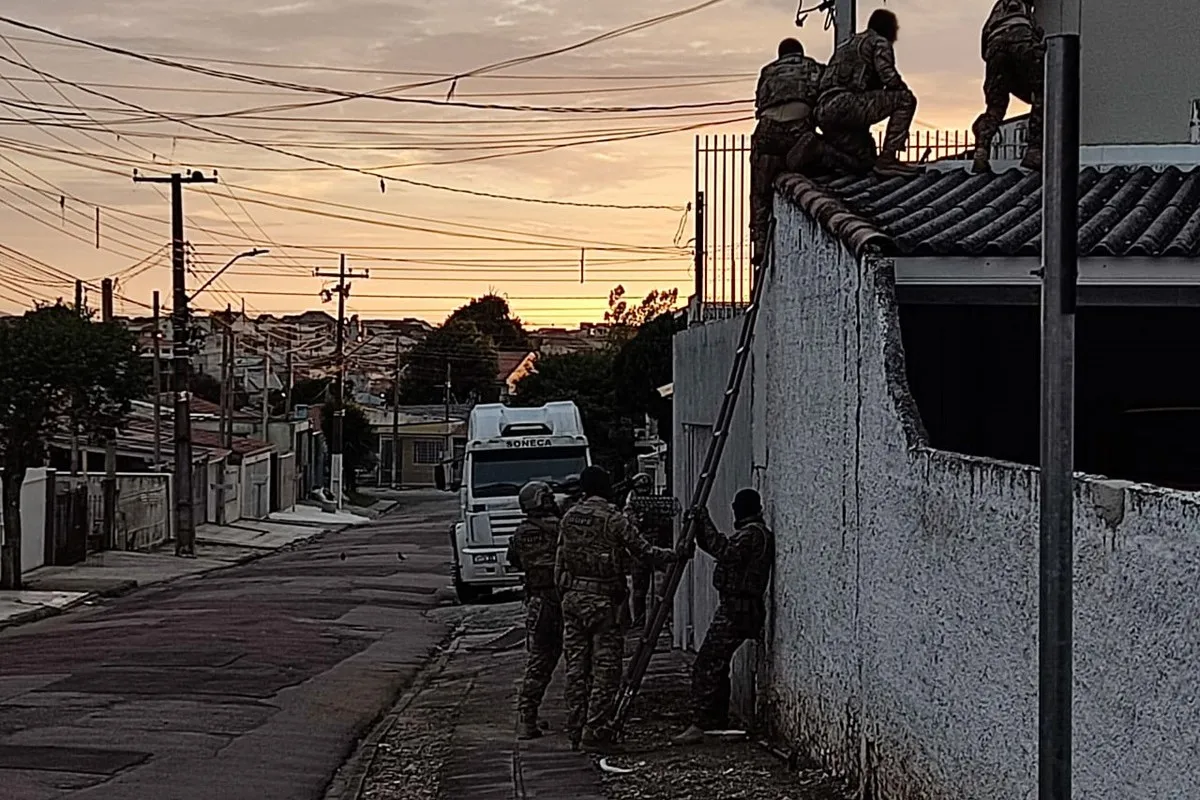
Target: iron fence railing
722 252
722 268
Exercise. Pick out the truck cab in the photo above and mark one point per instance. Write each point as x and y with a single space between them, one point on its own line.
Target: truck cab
506 448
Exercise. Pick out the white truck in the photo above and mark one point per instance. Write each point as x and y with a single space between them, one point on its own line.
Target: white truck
506 448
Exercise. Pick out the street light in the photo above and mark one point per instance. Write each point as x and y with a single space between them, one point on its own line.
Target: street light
248 254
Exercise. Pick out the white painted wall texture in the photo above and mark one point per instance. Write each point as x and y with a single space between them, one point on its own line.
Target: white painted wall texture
903 648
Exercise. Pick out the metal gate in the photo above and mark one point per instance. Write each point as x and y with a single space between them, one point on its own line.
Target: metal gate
70 529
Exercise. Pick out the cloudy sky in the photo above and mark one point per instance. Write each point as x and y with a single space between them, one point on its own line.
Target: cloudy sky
304 182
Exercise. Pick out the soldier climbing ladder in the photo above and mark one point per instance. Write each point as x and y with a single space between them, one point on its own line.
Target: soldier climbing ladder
658 618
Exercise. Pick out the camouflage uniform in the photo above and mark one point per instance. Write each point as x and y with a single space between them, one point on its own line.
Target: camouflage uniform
786 134
1013 49
643 574
597 544
532 550
741 578
861 88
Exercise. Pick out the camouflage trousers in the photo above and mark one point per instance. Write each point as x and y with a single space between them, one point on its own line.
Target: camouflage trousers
594 645
776 146
846 116
734 623
642 579
1014 69
544 644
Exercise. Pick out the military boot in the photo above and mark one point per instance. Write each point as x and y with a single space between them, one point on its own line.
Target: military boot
693 735
983 162
889 165
528 727
1032 159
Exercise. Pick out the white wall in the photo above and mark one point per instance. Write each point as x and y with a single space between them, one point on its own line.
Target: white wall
34 522
904 634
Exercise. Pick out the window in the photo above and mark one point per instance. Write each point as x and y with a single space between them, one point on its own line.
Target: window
502 473
427 451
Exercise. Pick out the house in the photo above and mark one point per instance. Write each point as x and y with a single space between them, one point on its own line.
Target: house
889 417
422 434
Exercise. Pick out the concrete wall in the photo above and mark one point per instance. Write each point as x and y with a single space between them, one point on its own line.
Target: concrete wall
36 523
256 486
144 516
1140 73
903 643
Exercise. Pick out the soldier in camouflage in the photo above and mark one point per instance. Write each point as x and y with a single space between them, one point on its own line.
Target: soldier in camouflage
786 134
741 578
860 88
532 550
597 544
1013 48
642 486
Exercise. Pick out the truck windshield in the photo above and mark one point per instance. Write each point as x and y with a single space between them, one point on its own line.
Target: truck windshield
502 473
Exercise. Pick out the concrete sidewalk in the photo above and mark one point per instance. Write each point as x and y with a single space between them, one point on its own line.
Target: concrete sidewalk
52 590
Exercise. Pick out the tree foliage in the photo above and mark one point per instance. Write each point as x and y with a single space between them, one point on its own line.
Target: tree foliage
204 386
626 318
642 365
470 357
59 370
311 391
586 379
358 440
492 317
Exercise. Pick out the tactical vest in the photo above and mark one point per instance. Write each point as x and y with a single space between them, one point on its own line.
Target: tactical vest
852 68
537 543
593 554
791 79
1008 18
748 580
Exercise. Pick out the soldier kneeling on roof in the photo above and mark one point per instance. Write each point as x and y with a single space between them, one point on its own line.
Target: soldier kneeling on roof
786 134
861 88
1013 48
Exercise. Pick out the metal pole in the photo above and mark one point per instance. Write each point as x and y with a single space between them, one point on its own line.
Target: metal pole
109 486
396 421
339 416
845 15
157 385
700 260
266 388
1057 546
449 449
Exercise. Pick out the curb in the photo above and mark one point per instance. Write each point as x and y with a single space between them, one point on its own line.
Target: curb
45 612
348 783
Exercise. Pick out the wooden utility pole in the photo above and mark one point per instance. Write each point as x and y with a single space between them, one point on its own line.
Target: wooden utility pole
396 454
266 388
339 414
449 447
185 522
109 530
157 386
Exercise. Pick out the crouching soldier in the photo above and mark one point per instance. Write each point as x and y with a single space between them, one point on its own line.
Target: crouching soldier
1013 48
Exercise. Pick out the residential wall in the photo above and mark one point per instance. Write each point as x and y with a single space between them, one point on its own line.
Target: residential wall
144 517
35 522
256 486
903 643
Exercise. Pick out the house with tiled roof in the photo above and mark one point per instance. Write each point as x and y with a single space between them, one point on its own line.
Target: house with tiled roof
889 417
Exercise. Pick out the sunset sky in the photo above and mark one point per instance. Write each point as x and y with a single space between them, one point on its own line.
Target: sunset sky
79 140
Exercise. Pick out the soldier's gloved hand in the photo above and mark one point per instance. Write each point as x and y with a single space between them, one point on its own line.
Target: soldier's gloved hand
685 550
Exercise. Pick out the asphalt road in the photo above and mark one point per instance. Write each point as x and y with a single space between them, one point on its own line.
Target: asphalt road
253 682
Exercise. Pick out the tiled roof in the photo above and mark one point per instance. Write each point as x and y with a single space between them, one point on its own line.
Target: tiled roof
1123 211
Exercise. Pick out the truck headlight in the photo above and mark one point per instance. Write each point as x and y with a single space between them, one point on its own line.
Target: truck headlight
483 558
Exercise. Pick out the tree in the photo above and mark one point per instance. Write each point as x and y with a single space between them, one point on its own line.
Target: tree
59 371
585 378
311 391
626 319
492 317
358 440
642 365
471 359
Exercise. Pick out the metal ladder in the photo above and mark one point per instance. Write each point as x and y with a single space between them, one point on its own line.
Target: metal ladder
632 680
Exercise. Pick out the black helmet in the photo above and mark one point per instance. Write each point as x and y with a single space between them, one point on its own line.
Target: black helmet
536 498
595 482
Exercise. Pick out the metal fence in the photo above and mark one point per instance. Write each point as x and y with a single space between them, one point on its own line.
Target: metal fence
722 253
928 146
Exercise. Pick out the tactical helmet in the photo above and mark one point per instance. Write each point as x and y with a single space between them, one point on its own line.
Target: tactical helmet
642 482
536 497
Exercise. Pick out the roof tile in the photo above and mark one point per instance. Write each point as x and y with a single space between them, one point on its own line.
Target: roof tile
1123 211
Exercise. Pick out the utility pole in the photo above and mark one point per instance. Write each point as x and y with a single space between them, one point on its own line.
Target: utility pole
157 386
266 387
845 16
396 421
227 378
339 414
449 454
109 530
1060 245
75 453
185 522
79 297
